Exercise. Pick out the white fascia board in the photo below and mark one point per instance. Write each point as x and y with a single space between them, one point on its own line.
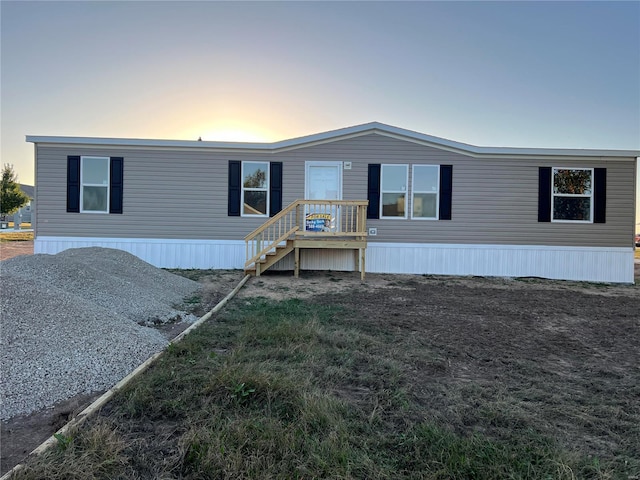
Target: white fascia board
139 142
341 134
475 151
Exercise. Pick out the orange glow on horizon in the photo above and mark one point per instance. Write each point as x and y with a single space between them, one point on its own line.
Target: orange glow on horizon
229 132
232 135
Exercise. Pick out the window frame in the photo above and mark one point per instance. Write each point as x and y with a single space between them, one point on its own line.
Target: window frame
414 191
106 186
253 189
405 192
590 196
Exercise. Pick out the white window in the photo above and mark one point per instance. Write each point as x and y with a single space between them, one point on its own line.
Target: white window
572 197
255 188
426 188
393 191
94 185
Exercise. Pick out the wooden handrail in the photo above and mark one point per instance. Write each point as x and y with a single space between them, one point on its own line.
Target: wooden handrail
273 220
270 246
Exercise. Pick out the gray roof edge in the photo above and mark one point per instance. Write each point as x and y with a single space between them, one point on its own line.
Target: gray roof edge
333 135
28 189
140 142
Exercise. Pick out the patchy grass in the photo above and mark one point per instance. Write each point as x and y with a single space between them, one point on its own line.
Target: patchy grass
213 289
16 236
298 389
195 274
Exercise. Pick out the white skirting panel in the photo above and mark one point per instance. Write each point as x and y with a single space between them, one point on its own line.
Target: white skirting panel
606 264
162 253
593 264
317 259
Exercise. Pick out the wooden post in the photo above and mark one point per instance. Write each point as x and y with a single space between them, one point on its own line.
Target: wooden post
296 269
258 244
362 254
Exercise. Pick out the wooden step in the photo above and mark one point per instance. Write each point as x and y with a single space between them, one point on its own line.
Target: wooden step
270 258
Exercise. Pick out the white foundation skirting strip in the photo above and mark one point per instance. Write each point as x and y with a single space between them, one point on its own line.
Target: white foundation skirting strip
162 253
595 264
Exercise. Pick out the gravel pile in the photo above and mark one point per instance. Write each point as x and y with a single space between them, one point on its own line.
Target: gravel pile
71 323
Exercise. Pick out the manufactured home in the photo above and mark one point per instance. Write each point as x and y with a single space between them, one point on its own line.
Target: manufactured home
372 197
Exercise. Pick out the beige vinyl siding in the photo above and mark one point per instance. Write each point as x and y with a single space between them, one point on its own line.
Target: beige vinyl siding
167 194
495 201
182 193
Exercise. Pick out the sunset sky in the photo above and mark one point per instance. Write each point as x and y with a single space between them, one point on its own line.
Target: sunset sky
539 74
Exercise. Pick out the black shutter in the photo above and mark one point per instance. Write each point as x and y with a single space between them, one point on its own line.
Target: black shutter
234 188
275 188
446 191
73 184
599 195
544 194
115 185
373 191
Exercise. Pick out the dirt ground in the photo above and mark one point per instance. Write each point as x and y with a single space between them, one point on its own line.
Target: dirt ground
13 249
506 353
522 333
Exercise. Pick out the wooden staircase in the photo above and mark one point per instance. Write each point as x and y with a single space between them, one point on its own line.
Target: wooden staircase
293 229
271 258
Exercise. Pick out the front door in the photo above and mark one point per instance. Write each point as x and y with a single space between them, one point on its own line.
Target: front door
323 181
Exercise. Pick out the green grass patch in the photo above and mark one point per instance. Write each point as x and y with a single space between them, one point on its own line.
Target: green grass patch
194 274
95 452
293 389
